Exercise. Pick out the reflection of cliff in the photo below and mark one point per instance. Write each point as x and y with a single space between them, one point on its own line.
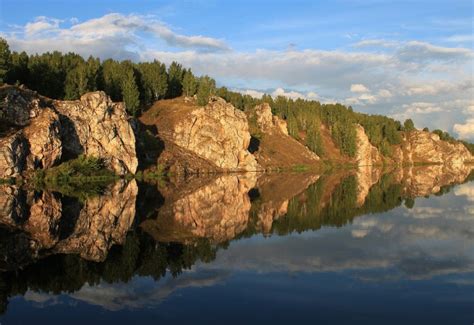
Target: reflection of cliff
427 180
202 215
54 224
217 210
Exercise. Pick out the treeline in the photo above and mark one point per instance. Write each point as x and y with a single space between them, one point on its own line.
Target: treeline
68 76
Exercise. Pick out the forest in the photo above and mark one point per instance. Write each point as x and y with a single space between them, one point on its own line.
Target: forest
139 84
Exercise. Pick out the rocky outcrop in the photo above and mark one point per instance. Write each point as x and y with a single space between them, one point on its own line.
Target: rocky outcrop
55 224
38 133
217 210
366 153
274 147
217 132
426 147
13 152
95 126
269 123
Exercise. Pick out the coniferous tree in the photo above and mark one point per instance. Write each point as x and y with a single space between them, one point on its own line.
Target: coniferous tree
409 125
189 83
130 93
175 80
206 88
5 59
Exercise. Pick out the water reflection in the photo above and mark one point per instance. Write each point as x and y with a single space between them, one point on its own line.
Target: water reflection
136 245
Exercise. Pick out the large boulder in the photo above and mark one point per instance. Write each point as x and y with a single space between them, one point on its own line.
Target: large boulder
217 133
36 132
96 126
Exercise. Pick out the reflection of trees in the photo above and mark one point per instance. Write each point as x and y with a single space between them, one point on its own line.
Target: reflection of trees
140 255
330 200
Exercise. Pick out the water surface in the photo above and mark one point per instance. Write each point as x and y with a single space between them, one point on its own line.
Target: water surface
366 246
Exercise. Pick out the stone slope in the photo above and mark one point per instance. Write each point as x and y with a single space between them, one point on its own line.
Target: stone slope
275 148
38 132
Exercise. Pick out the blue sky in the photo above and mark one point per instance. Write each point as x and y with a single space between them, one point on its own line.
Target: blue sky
400 58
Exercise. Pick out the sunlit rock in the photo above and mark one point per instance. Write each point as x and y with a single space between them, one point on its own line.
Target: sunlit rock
217 210
366 153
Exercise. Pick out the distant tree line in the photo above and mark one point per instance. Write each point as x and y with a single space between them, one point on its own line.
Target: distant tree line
68 76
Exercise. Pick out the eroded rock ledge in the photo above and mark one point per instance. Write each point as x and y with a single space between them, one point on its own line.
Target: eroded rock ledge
37 132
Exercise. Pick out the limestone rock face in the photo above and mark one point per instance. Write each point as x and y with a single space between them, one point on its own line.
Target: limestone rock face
426 147
218 210
36 132
267 122
57 225
366 154
218 133
96 126
13 152
44 140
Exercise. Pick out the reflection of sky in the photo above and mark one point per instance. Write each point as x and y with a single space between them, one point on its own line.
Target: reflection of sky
407 257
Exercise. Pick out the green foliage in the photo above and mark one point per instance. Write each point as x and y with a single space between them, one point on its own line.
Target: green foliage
175 80
81 177
154 80
445 136
408 125
207 87
189 83
5 59
130 93
469 146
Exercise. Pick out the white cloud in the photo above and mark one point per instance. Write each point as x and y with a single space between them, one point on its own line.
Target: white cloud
421 108
359 88
465 190
112 35
251 92
466 130
416 51
42 24
376 43
463 38
379 76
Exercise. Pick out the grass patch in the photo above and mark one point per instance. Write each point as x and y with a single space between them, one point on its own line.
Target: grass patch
82 177
300 168
8 181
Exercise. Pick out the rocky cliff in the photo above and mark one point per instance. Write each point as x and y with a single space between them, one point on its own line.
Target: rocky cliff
426 147
217 133
366 154
37 132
